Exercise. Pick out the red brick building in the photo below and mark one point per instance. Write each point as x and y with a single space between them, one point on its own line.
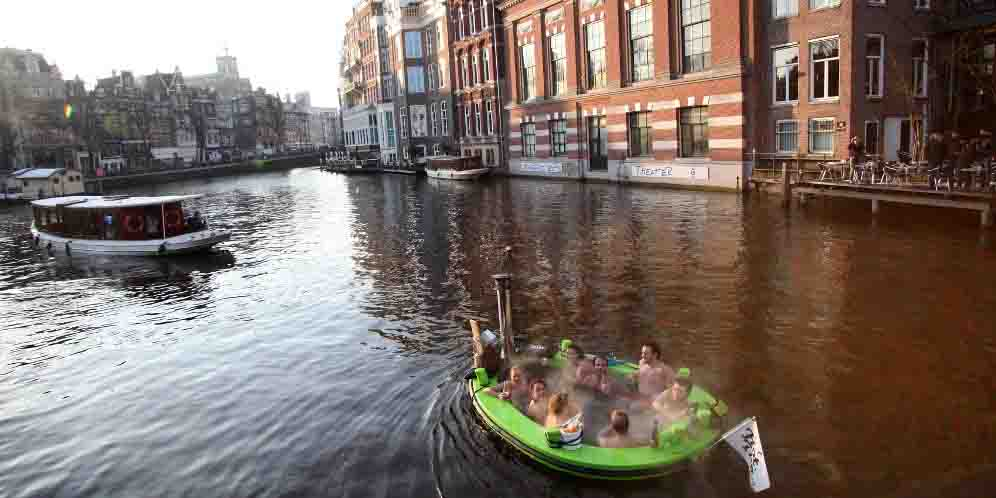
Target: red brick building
649 91
476 52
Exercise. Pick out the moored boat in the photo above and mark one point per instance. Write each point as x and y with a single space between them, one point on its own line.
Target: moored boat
121 225
455 167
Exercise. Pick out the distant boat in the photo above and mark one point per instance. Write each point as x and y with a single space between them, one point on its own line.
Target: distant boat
455 167
121 225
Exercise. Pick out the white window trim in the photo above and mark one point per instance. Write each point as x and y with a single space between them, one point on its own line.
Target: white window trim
812 71
921 5
881 65
833 5
443 118
774 10
491 117
774 73
877 3
864 134
778 148
924 78
809 133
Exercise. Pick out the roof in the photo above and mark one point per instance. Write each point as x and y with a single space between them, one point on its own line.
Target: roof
110 202
36 173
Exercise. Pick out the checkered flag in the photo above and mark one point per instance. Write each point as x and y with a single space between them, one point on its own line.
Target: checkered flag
746 441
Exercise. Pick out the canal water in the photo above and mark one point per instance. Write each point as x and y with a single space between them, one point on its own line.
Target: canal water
320 353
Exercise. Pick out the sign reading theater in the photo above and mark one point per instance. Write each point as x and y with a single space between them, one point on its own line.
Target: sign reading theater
685 172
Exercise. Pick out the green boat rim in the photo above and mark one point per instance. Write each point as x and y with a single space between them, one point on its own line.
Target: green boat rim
592 461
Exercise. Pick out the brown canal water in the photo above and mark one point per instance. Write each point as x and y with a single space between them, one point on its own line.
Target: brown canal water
320 353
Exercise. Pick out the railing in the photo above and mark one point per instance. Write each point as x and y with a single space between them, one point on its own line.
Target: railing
769 165
414 10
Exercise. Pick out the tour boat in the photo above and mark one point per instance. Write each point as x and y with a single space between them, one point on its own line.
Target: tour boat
677 445
121 225
455 167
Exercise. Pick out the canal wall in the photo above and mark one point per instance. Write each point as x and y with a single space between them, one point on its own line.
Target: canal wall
250 166
695 174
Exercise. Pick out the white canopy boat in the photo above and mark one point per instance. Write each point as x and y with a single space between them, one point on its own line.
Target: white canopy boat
455 167
121 225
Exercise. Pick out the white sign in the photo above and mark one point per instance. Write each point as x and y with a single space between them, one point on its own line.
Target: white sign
686 172
548 168
745 439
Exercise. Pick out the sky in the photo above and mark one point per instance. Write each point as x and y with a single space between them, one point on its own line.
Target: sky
285 46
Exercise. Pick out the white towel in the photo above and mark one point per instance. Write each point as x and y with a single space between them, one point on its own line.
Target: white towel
572 440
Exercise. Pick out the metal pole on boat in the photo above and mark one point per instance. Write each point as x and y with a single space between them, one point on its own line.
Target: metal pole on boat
503 288
162 222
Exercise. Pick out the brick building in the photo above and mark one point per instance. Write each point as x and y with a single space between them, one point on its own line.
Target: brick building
366 82
420 58
476 51
636 90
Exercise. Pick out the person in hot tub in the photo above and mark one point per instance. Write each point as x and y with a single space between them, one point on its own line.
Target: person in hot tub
515 389
672 405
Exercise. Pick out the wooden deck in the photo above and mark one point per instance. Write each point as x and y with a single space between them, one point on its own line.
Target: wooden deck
894 194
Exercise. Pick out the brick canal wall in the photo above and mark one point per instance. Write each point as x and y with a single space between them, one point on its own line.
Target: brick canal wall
251 166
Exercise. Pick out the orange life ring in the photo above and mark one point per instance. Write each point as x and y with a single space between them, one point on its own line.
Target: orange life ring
174 220
134 223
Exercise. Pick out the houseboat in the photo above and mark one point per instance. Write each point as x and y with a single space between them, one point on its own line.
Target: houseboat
455 167
121 225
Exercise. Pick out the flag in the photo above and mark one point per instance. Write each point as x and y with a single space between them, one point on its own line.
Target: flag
746 441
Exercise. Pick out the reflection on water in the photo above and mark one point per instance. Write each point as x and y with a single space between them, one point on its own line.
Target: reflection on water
319 354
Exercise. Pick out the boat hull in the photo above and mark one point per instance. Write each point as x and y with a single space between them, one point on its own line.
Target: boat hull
450 174
589 462
180 244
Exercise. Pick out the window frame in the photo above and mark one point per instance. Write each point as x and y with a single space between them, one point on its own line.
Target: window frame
475 76
921 4
527 83
878 134
434 117
403 117
642 72
558 79
486 64
774 76
477 120
466 121
774 9
696 151
409 51
443 118
779 133
921 69
832 131
417 85
528 149
595 79
880 66
558 137
490 108
830 4
826 61
706 55
641 136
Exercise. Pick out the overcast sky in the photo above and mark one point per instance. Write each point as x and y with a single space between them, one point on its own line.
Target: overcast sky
285 46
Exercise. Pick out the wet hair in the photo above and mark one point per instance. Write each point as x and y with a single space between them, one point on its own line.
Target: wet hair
557 403
535 381
600 357
686 383
619 421
653 347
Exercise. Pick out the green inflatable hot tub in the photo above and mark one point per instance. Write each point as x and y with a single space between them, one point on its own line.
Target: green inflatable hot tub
677 444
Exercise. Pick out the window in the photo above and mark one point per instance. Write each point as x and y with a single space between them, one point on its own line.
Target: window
491 117
874 60
490 155
486 64
696 34
786 77
921 4
988 57
475 76
787 136
594 35
694 131
824 67
478 130
416 79
639 134
785 8
641 43
821 135
527 64
461 23
467 130
435 120
465 71
823 4
558 64
389 121
871 138
404 123
429 37
444 123
473 17
529 140
558 137
413 44
920 68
